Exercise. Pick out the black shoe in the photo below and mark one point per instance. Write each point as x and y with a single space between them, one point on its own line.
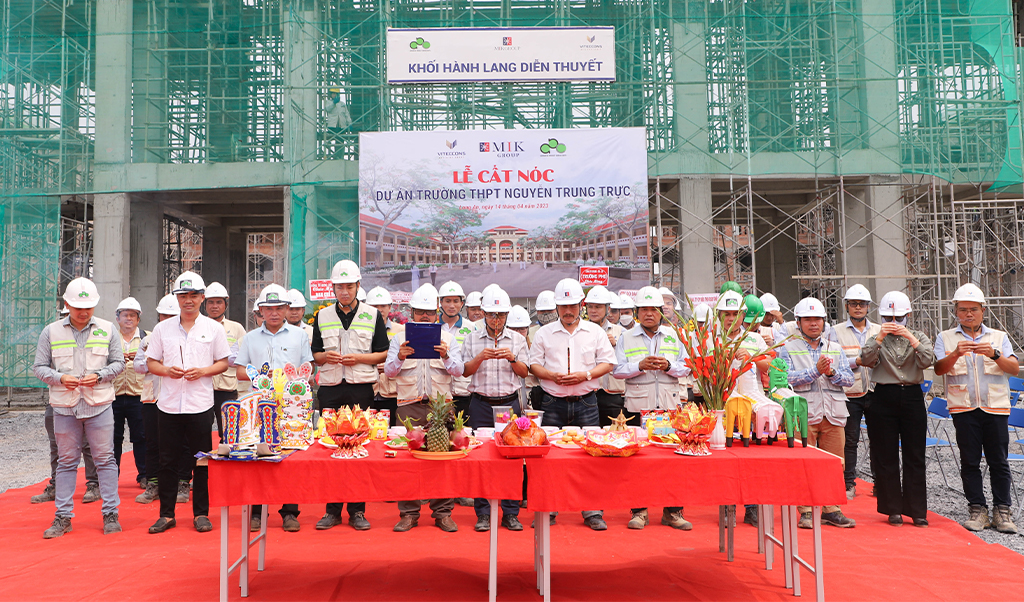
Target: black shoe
511 523
920 522
328 521
596 523
162 524
895 520
483 523
358 522
202 524
290 523
750 516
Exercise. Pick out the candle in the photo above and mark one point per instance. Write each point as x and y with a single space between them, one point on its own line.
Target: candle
568 359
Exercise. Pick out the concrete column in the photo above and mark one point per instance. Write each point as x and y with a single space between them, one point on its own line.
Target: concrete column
300 110
145 264
886 248
776 260
215 255
149 85
691 94
110 250
880 93
696 252
235 280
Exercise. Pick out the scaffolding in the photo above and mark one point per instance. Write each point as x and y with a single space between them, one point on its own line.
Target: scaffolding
183 250
266 261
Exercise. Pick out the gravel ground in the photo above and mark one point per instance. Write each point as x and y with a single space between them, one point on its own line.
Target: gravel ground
24 461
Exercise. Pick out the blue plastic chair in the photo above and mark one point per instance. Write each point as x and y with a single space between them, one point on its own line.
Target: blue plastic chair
926 386
1016 384
939 414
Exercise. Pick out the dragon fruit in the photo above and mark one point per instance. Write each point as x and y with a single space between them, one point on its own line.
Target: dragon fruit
460 440
416 435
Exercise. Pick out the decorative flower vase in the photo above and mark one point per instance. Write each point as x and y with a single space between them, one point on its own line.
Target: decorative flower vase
718 435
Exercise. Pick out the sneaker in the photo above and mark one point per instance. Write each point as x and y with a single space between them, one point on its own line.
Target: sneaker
405 523
511 522
289 523
446 524
255 524
48 495
675 520
464 501
150 495
358 522
483 523
162 524
1002 520
110 524
837 519
202 524
183 489
639 520
978 518
750 516
596 523
60 526
805 521
851 492
327 521
895 519
92 493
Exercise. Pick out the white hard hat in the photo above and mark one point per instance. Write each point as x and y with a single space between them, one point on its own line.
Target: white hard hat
857 292
189 282
296 298
490 287
168 306
216 290
599 295
770 303
729 301
451 289
473 299
518 317
701 312
665 292
546 301
345 272
256 305
425 297
568 292
496 301
361 295
129 303
894 303
622 302
809 307
969 292
378 296
273 294
649 296
81 293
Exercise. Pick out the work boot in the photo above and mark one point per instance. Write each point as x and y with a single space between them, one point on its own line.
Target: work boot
60 526
405 523
151 494
183 490
289 523
142 482
327 521
358 522
851 491
255 523
750 516
511 523
805 522
596 523
92 493
675 520
446 524
978 519
1002 520
483 523
837 519
48 495
464 501
110 524
639 520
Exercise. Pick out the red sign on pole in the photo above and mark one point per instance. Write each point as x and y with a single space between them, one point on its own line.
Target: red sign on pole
321 290
593 275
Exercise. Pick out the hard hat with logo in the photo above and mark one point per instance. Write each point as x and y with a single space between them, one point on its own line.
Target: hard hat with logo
81 293
600 295
451 289
969 292
128 303
622 302
296 299
857 292
273 294
168 306
894 303
518 317
378 296
754 308
345 272
809 307
216 290
770 303
729 301
701 312
649 296
568 292
496 301
424 298
546 301
473 299
731 285
188 282
361 294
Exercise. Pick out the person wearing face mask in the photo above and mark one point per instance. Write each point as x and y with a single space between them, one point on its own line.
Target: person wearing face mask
624 310
897 420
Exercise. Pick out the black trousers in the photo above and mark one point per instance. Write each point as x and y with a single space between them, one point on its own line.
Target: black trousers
897 424
856 407
128 409
609 405
219 397
976 431
151 423
387 403
333 397
192 431
462 404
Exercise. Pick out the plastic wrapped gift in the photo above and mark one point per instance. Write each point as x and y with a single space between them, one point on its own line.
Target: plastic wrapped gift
230 412
270 435
380 421
248 421
618 444
693 426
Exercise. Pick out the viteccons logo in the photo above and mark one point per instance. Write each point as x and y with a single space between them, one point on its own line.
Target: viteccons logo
552 145
451 152
504 149
419 44
590 45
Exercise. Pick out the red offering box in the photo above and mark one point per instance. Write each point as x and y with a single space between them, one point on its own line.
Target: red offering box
520 451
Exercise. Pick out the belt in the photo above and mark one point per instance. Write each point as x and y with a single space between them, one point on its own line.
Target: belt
910 386
574 398
498 401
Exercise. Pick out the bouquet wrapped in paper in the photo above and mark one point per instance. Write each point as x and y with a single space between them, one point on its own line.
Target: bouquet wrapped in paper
693 427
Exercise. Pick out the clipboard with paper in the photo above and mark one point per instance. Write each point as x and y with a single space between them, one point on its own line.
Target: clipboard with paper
423 338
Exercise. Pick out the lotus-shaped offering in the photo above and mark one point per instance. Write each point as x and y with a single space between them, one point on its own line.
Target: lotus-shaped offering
349 428
693 427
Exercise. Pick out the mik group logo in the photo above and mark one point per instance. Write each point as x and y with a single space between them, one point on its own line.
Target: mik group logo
506 41
552 145
504 149
419 44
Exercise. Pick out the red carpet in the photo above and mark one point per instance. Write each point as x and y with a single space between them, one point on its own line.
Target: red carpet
874 561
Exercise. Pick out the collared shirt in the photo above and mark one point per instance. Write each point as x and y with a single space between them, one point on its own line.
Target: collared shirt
44 370
842 376
289 345
625 369
561 352
200 347
895 362
392 365
860 335
494 378
129 381
1006 350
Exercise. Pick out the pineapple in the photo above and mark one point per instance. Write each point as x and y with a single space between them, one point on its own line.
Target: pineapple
439 411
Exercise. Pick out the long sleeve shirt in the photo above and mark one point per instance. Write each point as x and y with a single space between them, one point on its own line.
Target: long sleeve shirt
842 376
895 362
44 370
625 369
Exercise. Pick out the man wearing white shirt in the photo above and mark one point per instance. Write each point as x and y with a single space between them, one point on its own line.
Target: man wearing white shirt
569 357
186 351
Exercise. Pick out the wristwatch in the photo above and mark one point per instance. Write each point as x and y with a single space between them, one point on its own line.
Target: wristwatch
995 355
588 375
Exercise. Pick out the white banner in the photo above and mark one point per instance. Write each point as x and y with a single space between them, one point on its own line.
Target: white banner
512 54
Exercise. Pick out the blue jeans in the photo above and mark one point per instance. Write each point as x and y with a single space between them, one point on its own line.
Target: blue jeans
559 412
70 433
482 416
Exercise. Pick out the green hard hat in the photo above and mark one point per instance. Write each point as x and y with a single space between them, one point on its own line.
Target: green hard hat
755 309
730 285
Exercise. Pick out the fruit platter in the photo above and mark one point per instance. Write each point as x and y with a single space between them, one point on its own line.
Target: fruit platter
442 437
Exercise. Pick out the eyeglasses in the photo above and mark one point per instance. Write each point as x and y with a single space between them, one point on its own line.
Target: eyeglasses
892 318
968 310
857 303
493 317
